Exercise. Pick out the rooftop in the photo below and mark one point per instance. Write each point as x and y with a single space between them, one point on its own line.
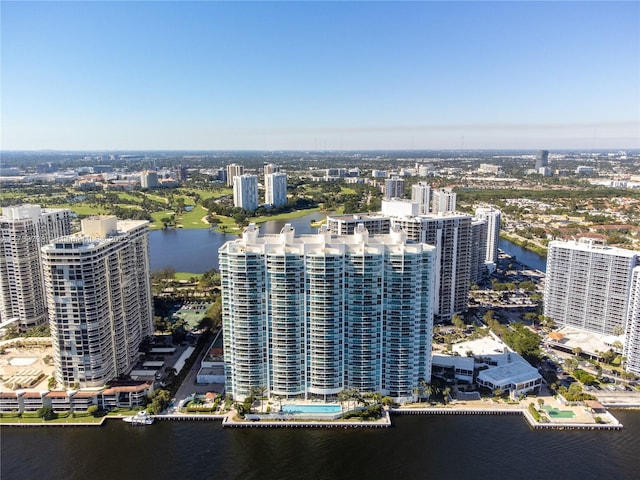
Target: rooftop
588 342
482 346
515 372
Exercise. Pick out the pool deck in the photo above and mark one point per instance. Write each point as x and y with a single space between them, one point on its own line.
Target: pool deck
231 421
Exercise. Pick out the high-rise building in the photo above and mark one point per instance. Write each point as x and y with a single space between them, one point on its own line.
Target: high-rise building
316 314
245 192
98 291
421 194
542 159
375 223
271 168
587 285
451 235
275 186
393 188
23 230
478 268
443 201
233 171
632 336
149 179
492 216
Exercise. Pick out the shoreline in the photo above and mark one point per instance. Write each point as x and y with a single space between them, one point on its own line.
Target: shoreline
527 244
228 420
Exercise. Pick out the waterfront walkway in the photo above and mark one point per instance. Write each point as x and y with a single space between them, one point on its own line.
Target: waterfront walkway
555 415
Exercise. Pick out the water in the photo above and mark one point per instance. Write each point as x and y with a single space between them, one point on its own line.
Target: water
416 447
524 256
311 408
186 250
196 250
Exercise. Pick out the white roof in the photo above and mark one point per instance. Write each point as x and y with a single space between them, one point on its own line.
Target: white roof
516 372
482 346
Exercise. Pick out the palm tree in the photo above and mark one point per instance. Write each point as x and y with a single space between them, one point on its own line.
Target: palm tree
427 388
278 399
445 394
342 397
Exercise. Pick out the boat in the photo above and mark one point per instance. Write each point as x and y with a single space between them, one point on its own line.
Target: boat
140 418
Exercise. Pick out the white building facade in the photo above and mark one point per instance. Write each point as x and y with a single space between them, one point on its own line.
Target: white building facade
492 216
478 249
393 188
632 337
23 230
313 315
421 194
233 170
245 192
451 234
149 179
275 186
443 201
587 285
98 291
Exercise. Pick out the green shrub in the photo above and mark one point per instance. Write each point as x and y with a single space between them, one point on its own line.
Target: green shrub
534 413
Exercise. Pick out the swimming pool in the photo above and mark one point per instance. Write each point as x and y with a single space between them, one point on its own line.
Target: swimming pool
320 408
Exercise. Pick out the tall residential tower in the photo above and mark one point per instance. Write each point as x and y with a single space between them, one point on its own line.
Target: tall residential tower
316 314
587 285
492 216
245 192
98 292
275 189
23 230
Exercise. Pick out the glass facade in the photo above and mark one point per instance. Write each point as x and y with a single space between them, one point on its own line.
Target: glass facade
316 314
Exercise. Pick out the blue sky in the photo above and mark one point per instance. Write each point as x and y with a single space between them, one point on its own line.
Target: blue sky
319 75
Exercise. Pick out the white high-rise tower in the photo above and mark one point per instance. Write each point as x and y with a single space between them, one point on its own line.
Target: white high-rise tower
98 291
275 186
632 338
492 216
421 194
316 314
245 192
233 170
587 285
443 201
23 230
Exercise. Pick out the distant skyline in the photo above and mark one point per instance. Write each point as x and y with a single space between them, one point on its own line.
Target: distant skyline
319 75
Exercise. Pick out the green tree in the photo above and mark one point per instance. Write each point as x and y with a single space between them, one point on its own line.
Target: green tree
47 413
445 394
458 322
52 383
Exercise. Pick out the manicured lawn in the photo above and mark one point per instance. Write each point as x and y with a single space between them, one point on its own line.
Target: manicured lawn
286 216
205 194
156 218
129 196
227 225
187 276
82 209
193 219
38 420
347 191
156 198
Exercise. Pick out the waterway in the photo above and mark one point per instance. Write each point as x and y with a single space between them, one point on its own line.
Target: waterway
415 447
196 250
524 256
